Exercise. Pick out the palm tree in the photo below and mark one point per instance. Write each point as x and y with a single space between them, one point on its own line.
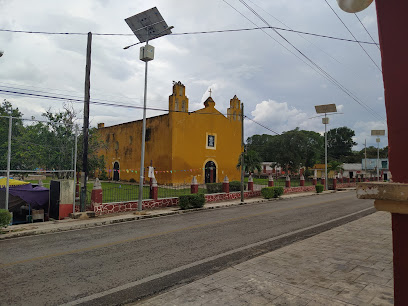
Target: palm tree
335 166
252 161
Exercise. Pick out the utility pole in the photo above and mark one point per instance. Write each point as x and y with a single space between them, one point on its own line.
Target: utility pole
85 171
243 152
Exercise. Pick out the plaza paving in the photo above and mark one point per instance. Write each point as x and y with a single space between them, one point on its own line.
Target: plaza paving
347 265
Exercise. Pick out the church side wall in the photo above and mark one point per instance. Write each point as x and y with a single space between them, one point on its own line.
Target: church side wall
124 142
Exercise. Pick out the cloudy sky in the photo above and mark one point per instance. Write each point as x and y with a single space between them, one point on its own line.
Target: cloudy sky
276 83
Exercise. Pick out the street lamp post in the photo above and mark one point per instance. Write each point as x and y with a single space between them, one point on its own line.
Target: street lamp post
378 133
324 109
147 25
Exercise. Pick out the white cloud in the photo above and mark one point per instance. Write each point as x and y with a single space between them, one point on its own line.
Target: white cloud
280 117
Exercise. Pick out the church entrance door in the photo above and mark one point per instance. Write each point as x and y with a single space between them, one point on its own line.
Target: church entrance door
116 171
210 172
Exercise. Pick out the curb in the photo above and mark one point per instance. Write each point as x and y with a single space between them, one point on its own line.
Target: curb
140 217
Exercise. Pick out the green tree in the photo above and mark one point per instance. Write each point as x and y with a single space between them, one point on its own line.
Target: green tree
6 110
261 144
252 161
340 142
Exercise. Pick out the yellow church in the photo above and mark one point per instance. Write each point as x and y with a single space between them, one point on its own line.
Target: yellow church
179 145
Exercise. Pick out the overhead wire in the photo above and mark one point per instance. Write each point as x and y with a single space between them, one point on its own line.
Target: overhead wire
365 51
192 33
367 31
49 97
298 33
318 69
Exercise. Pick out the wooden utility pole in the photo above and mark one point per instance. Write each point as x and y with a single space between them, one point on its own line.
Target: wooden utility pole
85 171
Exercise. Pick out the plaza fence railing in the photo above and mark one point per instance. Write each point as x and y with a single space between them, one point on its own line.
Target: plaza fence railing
124 192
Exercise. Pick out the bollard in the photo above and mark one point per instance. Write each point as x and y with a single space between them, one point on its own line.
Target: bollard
155 189
270 181
194 185
225 185
250 183
96 195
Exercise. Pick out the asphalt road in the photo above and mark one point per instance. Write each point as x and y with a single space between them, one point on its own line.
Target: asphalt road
124 262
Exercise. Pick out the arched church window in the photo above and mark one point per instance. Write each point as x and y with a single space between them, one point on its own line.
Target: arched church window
176 105
183 106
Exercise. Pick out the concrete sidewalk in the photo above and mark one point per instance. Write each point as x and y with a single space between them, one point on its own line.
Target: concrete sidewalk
38 228
347 265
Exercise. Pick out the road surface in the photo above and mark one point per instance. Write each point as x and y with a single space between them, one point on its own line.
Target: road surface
124 262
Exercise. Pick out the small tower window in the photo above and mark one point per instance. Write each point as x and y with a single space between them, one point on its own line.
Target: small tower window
176 105
183 106
180 91
148 135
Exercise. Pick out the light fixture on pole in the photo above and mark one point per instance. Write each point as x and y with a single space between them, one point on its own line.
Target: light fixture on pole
147 25
378 133
324 109
1 53
354 6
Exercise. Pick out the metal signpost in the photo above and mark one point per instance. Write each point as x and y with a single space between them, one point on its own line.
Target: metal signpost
324 109
147 25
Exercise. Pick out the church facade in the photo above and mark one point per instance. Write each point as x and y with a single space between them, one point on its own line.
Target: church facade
179 145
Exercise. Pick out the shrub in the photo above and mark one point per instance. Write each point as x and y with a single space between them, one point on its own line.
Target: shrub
191 201
319 188
132 180
278 191
5 218
236 186
214 187
271 192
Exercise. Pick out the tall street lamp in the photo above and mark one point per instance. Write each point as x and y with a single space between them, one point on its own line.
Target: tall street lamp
324 109
147 25
378 133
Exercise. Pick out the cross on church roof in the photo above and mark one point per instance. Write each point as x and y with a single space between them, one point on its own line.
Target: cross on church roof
210 92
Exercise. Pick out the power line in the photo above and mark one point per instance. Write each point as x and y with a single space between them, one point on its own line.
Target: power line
302 36
260 124
33 95
319 69
56 98
194 33
353 35
367 31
